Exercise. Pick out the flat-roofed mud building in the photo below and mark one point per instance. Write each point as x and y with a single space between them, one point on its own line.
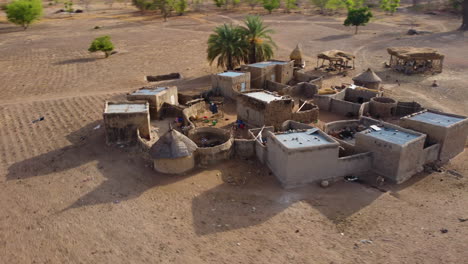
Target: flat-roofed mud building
302 156
275 71
259 108
124 120
156 97
230 84
448 130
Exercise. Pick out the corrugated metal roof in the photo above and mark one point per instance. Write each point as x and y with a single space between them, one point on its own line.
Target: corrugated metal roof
231 74
436 119
304 139
126 108
264 64
149 91
391 135
265 97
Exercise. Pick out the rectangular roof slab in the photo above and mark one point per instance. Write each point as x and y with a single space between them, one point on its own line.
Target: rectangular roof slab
264 97
149 91
391 135
264 64
231 74
309 138
436 119
126 108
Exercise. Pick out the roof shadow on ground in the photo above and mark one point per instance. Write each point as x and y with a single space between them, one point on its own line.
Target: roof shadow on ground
226 207
74 61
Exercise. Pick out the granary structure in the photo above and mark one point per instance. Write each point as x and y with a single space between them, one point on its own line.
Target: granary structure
123 121
230 84
274 71
156 97
173 153
368 79
297 56
448 130
411 60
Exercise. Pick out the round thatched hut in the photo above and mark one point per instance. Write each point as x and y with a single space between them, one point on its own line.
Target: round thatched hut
297 57
173 153
368 79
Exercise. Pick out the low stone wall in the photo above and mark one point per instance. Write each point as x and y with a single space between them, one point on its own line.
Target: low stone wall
431 154
308 114
244 148
355 164
275 87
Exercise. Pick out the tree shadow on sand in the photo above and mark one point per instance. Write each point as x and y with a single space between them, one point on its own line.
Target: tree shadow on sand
75 61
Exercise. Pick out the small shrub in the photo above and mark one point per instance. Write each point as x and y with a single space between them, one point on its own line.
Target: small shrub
103 44
271 5
24 12
180 6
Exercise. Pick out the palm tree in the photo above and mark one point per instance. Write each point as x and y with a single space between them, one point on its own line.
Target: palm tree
228 45
258 36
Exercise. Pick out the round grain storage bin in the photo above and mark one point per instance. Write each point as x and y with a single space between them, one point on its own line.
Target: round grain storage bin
214 144
381 107
173 153
368 79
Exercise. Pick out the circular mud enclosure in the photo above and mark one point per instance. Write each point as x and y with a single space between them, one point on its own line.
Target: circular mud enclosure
214 144
381 107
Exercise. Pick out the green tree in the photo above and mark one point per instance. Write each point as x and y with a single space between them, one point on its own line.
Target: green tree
180 6
24 12
389 6
103 44
258 37
271 5
358 17
290 4
227 45
144 5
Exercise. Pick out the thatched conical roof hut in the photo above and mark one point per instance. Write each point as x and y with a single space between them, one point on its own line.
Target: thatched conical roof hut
368 79
368 76
172 145
296 54
173 153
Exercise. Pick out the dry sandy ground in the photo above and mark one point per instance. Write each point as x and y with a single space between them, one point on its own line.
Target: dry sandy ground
66 197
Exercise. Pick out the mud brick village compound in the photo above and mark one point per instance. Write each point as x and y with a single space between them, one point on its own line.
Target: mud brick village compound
271 112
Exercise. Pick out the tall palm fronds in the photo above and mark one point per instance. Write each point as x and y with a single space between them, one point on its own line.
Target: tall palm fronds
228 45
258 37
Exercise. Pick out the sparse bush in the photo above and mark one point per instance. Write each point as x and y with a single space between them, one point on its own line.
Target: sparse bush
219 3
180 6
24 12
271 5
290 4
389 6
103 44
144 5
68 6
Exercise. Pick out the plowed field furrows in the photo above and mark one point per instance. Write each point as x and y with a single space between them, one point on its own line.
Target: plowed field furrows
22 139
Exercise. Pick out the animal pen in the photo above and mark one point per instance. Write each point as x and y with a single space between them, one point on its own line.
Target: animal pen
337 60
411 60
